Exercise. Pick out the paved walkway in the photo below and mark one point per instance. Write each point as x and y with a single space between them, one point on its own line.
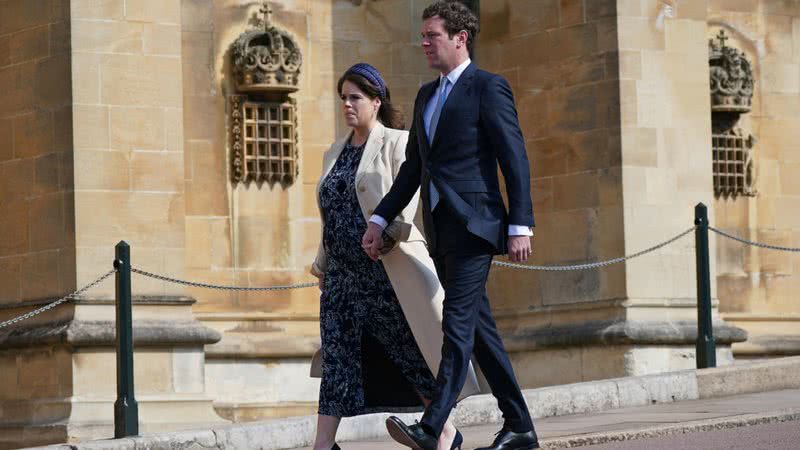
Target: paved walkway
641 422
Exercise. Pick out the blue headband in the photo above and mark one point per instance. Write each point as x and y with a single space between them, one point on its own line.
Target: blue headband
372 75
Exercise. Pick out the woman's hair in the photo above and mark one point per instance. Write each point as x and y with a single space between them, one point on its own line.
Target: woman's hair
457 17
388 115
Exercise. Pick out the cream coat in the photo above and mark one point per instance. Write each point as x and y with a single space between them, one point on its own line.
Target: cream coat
408 265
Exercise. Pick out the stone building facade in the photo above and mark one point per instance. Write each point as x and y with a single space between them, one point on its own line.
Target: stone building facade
757 287
117 123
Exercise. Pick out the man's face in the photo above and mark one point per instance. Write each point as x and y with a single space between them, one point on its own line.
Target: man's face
440 50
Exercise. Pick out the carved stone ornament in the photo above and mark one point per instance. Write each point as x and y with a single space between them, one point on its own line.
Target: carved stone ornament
237 139
262 115
731 77
266 58
731 95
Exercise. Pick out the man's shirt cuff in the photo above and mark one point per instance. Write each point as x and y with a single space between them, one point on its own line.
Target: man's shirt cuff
515 230
379 221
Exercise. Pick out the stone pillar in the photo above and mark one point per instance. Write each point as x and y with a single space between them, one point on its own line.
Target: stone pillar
128 135
613 101
37 241
37 237
666 168
95 116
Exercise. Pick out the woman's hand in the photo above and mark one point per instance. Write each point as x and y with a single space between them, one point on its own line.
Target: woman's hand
373 241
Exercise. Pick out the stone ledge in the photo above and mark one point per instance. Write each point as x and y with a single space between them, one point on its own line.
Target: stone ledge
91 300
249 412
769 346
593 396
758 376
139 300
618 333
102 334
674 428
242 346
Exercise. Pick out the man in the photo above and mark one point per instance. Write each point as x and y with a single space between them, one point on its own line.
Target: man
464 123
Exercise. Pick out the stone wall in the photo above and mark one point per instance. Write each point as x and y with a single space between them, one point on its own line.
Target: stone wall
561 60
757 287
613 102
128 126
666 135
247 235
37 223
37 241
114 125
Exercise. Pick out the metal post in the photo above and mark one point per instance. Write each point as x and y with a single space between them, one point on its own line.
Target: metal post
126 410
706 347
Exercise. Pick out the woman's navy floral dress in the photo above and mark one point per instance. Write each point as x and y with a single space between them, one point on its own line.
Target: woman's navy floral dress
358 308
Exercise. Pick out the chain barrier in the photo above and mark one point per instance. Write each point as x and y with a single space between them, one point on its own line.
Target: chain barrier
594 264
755 244
222 287
585 266
59 301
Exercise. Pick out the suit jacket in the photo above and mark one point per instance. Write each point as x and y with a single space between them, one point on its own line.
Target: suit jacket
477 129
408 265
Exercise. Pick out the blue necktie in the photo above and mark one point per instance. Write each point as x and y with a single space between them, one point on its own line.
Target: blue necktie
434 194
438 111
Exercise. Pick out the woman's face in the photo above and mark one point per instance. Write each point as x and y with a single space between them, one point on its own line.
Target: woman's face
359 110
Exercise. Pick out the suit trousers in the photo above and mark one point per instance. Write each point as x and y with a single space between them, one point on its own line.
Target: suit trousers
462 262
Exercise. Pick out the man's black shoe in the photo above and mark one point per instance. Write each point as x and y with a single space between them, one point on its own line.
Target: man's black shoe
413 436
508 440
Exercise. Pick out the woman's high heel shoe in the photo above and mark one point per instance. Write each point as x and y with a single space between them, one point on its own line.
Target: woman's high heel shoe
335 446
457 441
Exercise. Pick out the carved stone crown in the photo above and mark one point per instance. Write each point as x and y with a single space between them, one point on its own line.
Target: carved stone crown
731 77
266 58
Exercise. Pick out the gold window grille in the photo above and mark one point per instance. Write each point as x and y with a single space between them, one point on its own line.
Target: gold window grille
732 164
265 142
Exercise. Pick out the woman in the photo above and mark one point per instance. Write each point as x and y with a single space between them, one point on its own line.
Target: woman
380 322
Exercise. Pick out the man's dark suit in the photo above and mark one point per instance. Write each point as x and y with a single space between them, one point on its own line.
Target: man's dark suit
478 128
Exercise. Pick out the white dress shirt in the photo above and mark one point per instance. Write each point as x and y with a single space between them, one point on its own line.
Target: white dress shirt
427 114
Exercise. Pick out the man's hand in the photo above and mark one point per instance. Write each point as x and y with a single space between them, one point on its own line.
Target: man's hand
373 241
321 281
519 248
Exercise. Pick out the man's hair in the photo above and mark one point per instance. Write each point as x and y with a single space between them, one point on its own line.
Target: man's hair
457 17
